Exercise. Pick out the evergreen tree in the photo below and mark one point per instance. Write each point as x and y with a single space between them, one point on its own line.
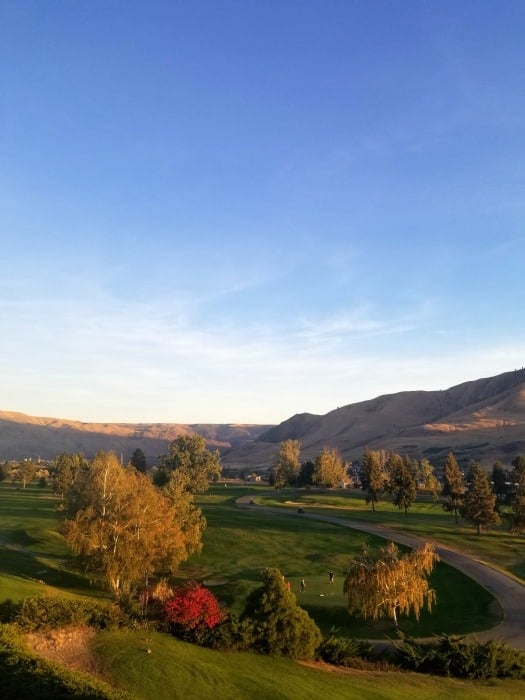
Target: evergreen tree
138 460
517 522
372 476
479 505
453 486
280 626
402 484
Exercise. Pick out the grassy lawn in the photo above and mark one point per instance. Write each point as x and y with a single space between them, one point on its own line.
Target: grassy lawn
33 553
425 519
173 670
238 543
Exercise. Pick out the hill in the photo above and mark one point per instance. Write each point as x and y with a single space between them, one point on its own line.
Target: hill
23 436
482 419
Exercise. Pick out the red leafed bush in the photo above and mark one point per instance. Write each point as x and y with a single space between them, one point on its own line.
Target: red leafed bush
192 606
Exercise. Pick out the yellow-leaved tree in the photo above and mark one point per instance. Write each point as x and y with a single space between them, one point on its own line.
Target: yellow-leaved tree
390 583
123 528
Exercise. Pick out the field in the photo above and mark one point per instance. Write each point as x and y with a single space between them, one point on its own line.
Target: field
238 543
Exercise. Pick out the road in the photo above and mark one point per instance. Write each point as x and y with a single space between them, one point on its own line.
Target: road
509 592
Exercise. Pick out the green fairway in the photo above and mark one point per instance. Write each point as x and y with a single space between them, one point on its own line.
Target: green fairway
426 519
152 666
239 542
34 555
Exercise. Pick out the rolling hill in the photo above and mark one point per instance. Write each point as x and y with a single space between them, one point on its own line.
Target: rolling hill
482 419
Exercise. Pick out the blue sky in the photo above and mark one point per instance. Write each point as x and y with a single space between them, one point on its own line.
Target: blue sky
235 211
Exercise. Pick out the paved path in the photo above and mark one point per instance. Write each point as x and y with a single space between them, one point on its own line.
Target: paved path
508 591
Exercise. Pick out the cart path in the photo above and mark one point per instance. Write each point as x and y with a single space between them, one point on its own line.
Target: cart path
509 592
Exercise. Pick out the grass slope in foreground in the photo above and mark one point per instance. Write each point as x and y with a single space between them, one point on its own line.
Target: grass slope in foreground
175 670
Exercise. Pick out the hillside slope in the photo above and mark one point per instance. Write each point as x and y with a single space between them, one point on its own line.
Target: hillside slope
24 436
482 419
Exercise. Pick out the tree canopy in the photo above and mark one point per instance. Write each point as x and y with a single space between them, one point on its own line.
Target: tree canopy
123 528
479 506
191 464
329 470
402 483
390 583
453 486
279 625
372 476
286 466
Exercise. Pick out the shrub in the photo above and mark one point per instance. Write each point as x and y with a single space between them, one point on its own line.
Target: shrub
452 656
278 625
342 651
46 612
192 607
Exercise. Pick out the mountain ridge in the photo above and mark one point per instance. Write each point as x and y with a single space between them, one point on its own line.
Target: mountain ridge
482 419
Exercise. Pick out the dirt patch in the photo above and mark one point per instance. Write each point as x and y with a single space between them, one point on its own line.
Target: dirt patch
69 646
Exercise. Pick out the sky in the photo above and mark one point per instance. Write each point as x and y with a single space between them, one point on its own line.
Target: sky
233 211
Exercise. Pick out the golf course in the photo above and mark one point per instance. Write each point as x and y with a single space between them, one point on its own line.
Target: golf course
240 540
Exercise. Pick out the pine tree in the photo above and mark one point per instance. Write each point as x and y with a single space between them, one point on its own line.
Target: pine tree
479 505
372 476
517 523
279 625
453 486
402 484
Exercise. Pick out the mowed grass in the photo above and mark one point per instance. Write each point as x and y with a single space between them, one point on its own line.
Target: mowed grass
425 519
152 666
240 542
237 544
33 554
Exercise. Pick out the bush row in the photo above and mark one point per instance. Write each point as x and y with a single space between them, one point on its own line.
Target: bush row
46 612
453 656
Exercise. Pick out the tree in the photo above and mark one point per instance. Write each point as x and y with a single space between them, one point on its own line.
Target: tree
500 486
390 583
329 470
306 473
65 468
402 485
138 460
479 505
519 467
517 520
425 474
286 465
279 625
372 476
192 463
191 607
123 528
24 471
453 486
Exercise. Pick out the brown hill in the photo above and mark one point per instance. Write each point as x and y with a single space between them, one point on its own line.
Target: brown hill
24 436
482 419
